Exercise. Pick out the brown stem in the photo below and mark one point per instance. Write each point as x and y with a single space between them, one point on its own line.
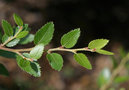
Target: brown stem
24 57
15 50
69 50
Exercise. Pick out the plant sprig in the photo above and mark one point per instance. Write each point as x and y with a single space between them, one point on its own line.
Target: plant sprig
29 61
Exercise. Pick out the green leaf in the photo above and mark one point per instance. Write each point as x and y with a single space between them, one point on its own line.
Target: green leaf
25 27
29 38
98 43
104 52
8 30
18 20
104 77
70 39
22 34
44 34
121 79
3 70
55 60
5 38
32 68
7 54
37 51
12 43
82 60
16 29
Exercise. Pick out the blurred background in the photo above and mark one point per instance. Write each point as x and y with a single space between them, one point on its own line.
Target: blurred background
97 19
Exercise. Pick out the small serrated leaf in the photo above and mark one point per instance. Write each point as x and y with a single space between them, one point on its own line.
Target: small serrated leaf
8 30
98 43
25 27
55 60
37 51
70 39
12 43
44 34
3 70
18 20
82 60
32 68
16 29
29 38
4 38
22 34
100 51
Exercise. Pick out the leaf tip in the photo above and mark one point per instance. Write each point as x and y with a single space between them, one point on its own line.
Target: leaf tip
90 68
59 69
112 53
51 22
14 14
3 21
78 29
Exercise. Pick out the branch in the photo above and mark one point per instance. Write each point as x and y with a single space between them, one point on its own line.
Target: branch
115 72
70 50
29 59
17 51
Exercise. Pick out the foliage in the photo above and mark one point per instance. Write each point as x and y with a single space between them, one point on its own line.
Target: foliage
29 61
82 60
114 79
55 60
104 77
